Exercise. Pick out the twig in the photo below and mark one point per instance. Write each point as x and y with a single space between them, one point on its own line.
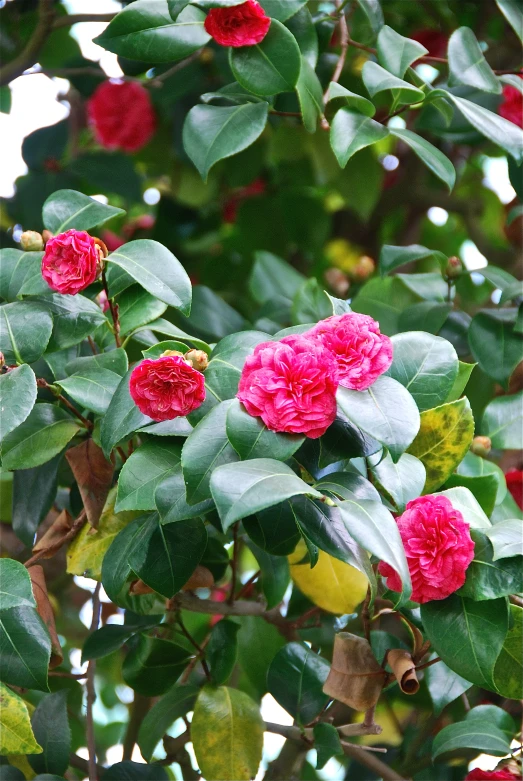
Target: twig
427 664
73 531
365 615
91 692
234 563
193 642
114 311
285 113
81 764
92 345
41 383
29 55
465 701
373 763
516 600
73 676
70 19
246 586
156 81
344 45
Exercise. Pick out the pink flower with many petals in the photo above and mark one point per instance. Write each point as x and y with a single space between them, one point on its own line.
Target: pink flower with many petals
438 547
166 388
512 106
361 351
71 262
122 115
492 775
238 25
291 386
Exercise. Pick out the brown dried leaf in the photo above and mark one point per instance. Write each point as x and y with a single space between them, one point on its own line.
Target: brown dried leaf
355 677
402 665
46 613
53 538
201 578
94 475
138 587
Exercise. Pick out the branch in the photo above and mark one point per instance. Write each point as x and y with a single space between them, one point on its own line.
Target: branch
196 605
29 55
68 21
91 692
344 43
113 308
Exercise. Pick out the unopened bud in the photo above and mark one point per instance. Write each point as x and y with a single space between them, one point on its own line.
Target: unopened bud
46 235
365 267
198 359
168 353
454 268
31 241
481 446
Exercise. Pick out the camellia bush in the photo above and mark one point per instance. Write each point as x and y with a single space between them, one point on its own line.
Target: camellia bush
262 436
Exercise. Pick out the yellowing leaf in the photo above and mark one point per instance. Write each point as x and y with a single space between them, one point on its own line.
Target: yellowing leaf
443 440
16 735
331 584
22 763
86 552
227 734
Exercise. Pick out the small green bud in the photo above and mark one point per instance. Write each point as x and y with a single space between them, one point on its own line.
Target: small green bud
32 241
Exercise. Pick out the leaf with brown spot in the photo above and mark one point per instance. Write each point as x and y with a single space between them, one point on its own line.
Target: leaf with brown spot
46 613
94 475
355 677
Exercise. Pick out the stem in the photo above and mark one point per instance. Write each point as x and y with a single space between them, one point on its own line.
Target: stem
234 563
91 692
344 44
68 21
114 311
245 586
193 642
285 113
41 383
46 16
92 345
465 701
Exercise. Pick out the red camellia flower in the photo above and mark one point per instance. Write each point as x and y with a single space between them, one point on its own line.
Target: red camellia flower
291 386
239 25
512 106
438 547
122 115
71 262
166 388
361 351
490 775
514 478
433 40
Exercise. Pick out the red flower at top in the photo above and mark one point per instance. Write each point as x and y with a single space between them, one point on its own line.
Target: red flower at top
512 106
122 115
491 775
166 388
514 478
239 25
71 262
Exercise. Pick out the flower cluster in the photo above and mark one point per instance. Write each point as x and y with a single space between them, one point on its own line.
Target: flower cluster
121 115
71 262
239 25
167 387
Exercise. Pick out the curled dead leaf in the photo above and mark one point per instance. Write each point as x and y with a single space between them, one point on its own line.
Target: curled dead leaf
355 677
54 537
46 613
403 667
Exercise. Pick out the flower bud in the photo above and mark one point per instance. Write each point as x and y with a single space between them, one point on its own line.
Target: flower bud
454 268
46 235
171 352
337 280
31 241
365 267
198 359
481 446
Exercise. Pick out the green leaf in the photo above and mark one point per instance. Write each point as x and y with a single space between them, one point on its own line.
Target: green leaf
392 257
436 161
327 743
303 28
426 365
457 628
373 12
274 578
513 13
377 79
310 96
153 665
166 328
295 680
173 705
16 734
251 438
268 67
51 730
350 99
311 303
34 491
93 388
122 417
467 64
74 318
396 53
66 209
147 32
495 345
463 499
444 685
165 557
171 501
282 9
5 99
508 671
507 539
386 411
25 330
475 466
271 276
21 274
114 360
15 585
227 734
212 316
444 437
44 433
258 642
477 734
143 471
112 637
25 648
351 132
133 771
483 487
17 398
274 530
206 448
374 528
399 482
222 650
489 579
247 487
462 378
116 571
136 307
503 422
211 133
156 269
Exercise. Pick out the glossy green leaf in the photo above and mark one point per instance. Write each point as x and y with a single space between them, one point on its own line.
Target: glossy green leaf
377 79
25 330
15 585
268 67
513 13
247 487
436 161
44 433
460 383
348 485
397 53
351 131
116 570
495 345
477 734
350 99
143 471
295 680
489 579
311 303
227 734
147 32
133 771
211 133
21 274
386 411
274 530
327 743
258 643
274 575
398 482
507 539
171 502
508 672
16 734
122 417
51 729
112 637
165 557
503 422
303 28
444 685
457 628
251 438
222 650
74 318
310 96
444 437
467 63
66 209
373 12
153 665
463 499
17 398
93 388
156 269
166 328
114 360
271 276
136 307
282 9
173 705
475 466
484 488
25 648
392 257
34 491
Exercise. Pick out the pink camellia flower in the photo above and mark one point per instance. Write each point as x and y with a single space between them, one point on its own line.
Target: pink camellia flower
361 351
166 388
122 115
512 106
438 547
71 262
239 25
504 774
291 386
